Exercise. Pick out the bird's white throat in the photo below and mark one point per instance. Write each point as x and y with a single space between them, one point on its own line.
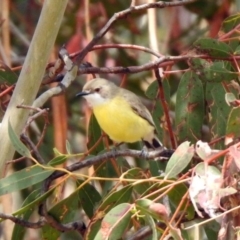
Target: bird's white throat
95 99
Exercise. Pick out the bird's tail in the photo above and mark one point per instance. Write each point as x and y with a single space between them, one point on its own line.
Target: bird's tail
152 141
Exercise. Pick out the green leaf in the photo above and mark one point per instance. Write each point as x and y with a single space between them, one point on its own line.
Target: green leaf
18 230
203 9
152 224
106 169
230 98
200 170
156 210
152 90
233 123
68 147
230 22
94 133
138 173
34 203
156 167
115 223
175 198
23 179
89 198
179 160
189 107
18 145
212 229
71 235
217 71
199 231
116 197
218 110
158 113
212 47
154 187
64 212
7 75
58 160
93 227
237 50
175 232
228 25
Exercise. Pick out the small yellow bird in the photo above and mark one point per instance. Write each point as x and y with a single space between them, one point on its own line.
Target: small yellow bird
120 113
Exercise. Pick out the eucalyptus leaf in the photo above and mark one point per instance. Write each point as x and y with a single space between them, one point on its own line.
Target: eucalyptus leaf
18 145
23 179
179 160
212 47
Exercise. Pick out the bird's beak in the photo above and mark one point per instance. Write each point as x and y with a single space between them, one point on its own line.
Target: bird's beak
81 94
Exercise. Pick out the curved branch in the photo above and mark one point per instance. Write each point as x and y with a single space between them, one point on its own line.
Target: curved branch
147 155
23 222
121 15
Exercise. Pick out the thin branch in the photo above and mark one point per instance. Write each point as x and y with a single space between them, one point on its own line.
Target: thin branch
130 69
228 34
25 137
165 109
78 225
88 162
50 220
9 89
121 15
121 46
145 232
66 81
23 222
33 148
160 62
162 153
24 132
19 35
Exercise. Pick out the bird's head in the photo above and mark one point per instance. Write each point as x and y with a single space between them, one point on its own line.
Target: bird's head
98 91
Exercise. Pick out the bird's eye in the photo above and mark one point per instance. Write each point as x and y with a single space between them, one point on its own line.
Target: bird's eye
97 89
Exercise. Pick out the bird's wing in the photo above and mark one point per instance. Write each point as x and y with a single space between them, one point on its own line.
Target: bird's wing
137 106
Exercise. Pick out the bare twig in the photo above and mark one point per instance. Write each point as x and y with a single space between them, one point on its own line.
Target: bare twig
145 232
164 153
121 15
165 109
88 162
66 81
224 36
78 225
24 132
23 222
18 34
122 46
160 62
33 148
6 91
48 219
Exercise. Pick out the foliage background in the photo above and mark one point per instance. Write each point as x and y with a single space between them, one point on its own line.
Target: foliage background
168 31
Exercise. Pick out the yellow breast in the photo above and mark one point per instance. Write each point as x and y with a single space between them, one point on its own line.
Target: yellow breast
120 122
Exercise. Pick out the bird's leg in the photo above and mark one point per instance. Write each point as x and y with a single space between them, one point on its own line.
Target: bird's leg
144 152
115 146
